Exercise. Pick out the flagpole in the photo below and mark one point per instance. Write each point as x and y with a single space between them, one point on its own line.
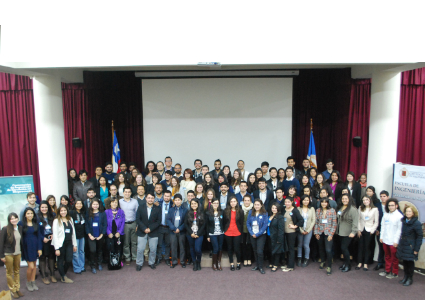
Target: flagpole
113 140
311 124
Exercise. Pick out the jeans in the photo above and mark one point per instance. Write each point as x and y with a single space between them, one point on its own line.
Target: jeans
217 243
304 242
391 260
195 247
13 265
163 239
325 250
65 258
258 247
79 257
246 247
234 244
364 247
141 245
130 237
345 242
291 239
177 239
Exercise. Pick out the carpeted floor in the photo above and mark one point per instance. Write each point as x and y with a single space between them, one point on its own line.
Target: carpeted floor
178 283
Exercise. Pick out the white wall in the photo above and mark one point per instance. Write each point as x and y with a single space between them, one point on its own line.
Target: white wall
218 118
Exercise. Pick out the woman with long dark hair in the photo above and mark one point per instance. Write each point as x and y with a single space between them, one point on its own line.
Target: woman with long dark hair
233 229
215 232
45 219
209 182
149 170
305 182
236 181
78 215
252 183
115 219
354 188
312 174
347 229
324 230
370 192
11 246
246 240
121 183
308 213
156 178
72 179
319 184
256 224
307 191
32 245
226 172
65 201
281 176
102 191
64 241
96 231
293 222
52 203
335 182
195 224
368 223
276 232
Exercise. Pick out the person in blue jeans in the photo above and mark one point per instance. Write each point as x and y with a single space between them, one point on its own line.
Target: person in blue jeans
78 215
214 220
195 229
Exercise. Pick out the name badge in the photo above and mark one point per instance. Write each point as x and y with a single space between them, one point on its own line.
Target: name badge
178 218
290 213
261 217
95 224
76 221
324 221
254 223
284 219
241 203
48 226
41 223
387 221
217 222
68 230
339 213
83 221
366 218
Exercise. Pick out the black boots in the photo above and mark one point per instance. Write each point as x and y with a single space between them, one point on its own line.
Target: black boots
299 263
346 269
195 266
403 281
305 263
409 281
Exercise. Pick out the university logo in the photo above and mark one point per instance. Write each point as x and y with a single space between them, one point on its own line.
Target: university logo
404 173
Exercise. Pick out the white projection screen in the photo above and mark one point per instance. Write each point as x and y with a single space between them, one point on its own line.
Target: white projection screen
218 118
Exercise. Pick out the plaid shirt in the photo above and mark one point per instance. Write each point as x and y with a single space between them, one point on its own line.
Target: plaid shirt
327 228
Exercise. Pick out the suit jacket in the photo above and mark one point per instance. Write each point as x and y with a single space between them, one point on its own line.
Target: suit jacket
270 185
356 193
171 217
269 198
153 222
80 190
239 221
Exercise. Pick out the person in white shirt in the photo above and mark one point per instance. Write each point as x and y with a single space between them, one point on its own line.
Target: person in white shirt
368 223
390 237
241 167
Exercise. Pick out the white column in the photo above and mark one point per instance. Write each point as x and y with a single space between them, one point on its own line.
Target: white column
50 136
383 131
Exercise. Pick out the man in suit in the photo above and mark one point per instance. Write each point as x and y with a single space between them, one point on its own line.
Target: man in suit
91 195
263 193
273 183
164 231
306 167
224 195
243 186
175 222
81 187
197 172
148 219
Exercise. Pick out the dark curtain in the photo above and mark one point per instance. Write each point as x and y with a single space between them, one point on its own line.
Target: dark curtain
88 112
358 125
411 127
18 138
324 96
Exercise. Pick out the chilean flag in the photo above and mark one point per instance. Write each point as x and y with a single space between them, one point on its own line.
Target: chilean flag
116 156
311 156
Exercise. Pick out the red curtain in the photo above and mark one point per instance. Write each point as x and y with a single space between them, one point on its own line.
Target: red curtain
18 139
358 125
88 112
324 96
411 127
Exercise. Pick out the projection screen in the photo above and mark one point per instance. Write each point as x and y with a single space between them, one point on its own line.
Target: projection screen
218 118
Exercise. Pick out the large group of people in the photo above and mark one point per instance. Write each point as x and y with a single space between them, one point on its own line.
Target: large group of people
269 218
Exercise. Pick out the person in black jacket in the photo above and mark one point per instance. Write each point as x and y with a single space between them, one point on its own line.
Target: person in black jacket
233 229
215 232
45 218
148 219
410 243
8 249
96 232
263 193
195 229
276 232
354 188
293 222
78 215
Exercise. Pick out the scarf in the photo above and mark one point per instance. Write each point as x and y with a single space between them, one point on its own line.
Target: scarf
363 185
247 209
